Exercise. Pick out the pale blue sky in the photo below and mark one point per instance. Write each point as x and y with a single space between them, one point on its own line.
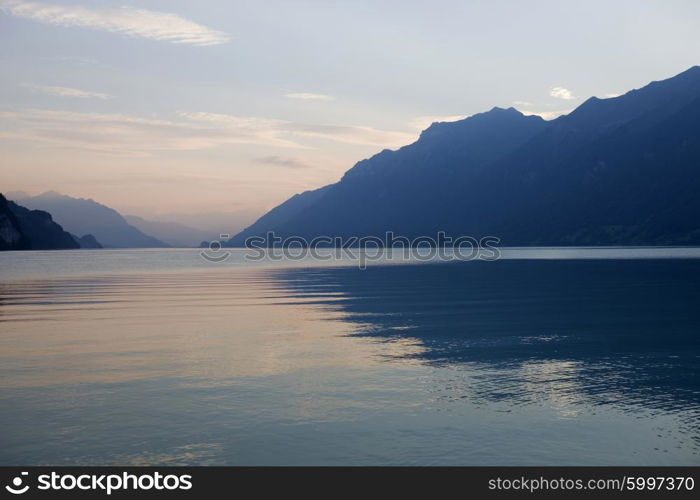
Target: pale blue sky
160 106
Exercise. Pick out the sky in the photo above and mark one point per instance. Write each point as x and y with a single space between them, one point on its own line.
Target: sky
220 110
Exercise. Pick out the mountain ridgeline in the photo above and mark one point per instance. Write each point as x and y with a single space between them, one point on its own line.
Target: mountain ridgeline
86 216
170 233
25 229
617 171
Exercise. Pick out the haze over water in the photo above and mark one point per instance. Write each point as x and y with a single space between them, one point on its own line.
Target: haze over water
547 357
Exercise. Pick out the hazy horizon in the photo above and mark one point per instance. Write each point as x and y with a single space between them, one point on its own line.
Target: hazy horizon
181 111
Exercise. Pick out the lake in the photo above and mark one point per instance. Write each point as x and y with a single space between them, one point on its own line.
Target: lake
157 357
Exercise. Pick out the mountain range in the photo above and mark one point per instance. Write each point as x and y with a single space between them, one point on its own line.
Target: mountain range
172 233
86 216
105 225
616 171
25 229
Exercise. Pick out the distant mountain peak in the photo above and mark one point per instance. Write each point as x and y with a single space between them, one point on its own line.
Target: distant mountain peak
505 114
15 195
51 194
495 115
56 195
504 111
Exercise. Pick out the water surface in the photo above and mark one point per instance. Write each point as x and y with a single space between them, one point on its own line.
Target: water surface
547 357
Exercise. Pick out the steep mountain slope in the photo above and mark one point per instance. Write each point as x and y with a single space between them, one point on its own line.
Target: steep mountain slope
24 229
281 214
11 235
172 233
84 216
401 190
624 170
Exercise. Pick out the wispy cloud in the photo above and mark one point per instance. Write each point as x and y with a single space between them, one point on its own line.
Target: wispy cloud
423 122
350 134
524 104
138 136
283 162
280 130
306 96
562 93
610 96
130 21
66 92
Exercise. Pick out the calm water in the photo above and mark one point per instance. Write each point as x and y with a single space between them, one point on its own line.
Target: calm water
548 356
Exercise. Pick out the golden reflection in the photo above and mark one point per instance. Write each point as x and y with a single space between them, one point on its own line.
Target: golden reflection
204 325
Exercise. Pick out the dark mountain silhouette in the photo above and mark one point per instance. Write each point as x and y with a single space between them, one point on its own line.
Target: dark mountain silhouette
24 229
86 216
87 241
279 215
11 235
617 171
401 190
